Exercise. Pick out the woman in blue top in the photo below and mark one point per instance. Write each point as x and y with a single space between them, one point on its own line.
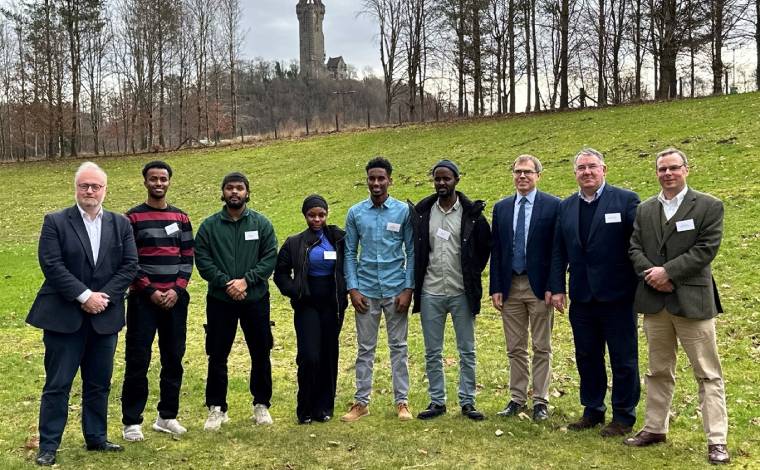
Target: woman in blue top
310 271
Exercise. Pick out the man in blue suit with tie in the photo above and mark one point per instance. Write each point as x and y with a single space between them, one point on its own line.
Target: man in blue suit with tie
88 258
592 237
523 233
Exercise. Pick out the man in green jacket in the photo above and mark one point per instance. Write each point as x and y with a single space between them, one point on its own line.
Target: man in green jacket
236 252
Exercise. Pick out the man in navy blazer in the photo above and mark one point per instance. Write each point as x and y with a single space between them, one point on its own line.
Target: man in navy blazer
523 233
592 237
88 258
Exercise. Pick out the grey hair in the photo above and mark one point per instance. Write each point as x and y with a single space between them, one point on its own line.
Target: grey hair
89 166
526 157
671 150
588 151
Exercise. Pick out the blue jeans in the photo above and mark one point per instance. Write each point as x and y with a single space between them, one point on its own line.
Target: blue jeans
433 310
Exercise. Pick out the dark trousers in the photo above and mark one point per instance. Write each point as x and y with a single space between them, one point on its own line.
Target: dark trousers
318 324
65 353
596 324
144 320
221 326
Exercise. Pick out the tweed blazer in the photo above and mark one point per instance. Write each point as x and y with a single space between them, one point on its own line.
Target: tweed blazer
685 246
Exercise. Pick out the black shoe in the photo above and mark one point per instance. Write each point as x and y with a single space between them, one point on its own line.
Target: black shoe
512 409
323 418
105 446
472 413
45 458
304 420
585 423
615 429
432 411
540 412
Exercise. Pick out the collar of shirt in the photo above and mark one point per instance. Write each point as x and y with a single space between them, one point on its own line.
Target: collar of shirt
597 194
453 208
369 204
531 196
86 216
676 201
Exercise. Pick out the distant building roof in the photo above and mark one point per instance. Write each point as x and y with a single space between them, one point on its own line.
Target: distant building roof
334 62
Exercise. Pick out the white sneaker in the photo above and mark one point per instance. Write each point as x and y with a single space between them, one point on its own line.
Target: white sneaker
261 414
171 426
216 417
132 433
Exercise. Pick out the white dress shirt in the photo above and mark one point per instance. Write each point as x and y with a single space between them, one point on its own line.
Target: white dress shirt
670 206
93 227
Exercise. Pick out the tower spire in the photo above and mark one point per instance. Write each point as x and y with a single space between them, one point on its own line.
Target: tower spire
311 14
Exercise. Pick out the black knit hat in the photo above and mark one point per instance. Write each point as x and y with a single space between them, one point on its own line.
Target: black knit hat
235 177
446 164
313 200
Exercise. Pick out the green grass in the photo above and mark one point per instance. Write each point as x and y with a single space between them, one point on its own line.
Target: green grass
721 135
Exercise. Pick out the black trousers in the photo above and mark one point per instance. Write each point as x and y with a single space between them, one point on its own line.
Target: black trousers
65 353
318 324
144 320
221 326
611 324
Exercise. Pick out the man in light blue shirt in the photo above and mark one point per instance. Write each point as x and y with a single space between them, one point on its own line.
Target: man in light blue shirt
380 278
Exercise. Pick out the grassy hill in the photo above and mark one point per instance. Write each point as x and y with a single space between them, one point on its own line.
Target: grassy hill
722 137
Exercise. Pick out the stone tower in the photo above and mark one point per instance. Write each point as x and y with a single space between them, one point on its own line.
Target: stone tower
311 13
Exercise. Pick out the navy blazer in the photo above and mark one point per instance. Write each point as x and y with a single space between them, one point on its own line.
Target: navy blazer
601 271
66 261
538 249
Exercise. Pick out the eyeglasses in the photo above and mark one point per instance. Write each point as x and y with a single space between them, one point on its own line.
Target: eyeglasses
524 172
672 168
94 186
591 167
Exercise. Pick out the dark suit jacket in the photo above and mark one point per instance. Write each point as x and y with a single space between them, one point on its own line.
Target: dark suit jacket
685 254
66 260
538 250
601 270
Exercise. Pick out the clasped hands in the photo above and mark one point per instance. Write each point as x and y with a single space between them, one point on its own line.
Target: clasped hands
96 303
236 288
164 299
657 278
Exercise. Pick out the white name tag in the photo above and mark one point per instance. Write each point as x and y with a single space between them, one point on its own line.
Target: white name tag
252 235
172 229
612 218
331 255
442 234
685 225
393 227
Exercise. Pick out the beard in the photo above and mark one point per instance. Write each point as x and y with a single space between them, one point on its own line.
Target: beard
237 204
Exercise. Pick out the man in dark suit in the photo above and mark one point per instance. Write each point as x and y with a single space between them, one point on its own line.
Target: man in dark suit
675 238
592 236
523 233
88 258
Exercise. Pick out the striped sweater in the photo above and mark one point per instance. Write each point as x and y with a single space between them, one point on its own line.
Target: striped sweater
165 247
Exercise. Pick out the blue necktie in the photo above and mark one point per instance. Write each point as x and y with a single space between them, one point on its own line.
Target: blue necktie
518 260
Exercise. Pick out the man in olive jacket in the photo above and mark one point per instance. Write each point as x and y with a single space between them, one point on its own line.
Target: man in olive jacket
676 236
236 252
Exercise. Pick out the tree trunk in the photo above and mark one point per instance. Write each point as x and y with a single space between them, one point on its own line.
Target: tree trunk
717 9
564 25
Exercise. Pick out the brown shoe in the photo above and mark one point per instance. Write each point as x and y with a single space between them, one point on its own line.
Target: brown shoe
403 412
615 429
356 412
645 438
718 454
584 423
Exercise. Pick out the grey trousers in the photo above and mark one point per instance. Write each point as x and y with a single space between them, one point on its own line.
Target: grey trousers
367 325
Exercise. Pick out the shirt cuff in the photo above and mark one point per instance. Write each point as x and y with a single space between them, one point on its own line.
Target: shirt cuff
84 296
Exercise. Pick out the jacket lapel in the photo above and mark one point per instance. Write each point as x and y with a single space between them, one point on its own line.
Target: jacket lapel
75 219
106 237
683 210
600 211
655 216
509 216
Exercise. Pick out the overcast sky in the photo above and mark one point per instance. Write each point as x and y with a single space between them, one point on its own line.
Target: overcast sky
272 32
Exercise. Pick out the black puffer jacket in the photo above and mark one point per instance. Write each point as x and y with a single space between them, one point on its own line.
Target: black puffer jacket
291 275
476 247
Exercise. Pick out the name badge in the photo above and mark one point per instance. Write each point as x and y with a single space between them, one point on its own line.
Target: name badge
443 234
393 227
331 255
612 218
172 229
252 235
685 225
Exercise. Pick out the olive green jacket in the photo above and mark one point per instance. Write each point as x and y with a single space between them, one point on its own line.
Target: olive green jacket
685 247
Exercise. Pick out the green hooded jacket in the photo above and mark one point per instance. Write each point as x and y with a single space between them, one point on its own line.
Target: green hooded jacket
227 249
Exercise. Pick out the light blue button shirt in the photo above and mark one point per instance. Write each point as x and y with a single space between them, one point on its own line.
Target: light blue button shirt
384 265
528 211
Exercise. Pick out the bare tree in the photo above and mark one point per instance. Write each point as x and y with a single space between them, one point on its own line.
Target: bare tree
232 35
388 14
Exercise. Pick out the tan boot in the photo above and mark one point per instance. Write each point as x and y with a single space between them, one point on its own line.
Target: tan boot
356 412
403 412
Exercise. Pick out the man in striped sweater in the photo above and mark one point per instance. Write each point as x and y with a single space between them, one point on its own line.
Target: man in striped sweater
158 301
